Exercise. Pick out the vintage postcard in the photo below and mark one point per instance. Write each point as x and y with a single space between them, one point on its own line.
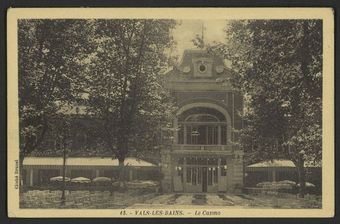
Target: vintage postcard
170 112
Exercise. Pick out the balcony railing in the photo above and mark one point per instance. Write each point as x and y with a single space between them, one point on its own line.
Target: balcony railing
202 147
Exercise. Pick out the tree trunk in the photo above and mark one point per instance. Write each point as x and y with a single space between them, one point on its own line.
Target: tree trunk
63 198
121 180
302 178
122 149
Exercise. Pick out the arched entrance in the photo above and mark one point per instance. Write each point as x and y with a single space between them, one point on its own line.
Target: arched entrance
201 127
202 124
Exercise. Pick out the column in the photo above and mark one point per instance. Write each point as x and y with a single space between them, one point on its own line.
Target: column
175 131
219 135
184 173
206 135
185 134
229 130
97 173
219 169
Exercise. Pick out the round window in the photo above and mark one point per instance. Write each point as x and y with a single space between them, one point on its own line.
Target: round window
202 68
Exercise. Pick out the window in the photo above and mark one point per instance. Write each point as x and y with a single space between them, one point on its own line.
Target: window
199 175
210 176
201 134
223 167
201 118
180 172
202 126
215 173
181 135
188 175
223 134
201 114
195 167
202 68
212 135
194 176
192 135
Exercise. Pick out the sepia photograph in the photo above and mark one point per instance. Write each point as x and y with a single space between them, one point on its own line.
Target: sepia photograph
170 116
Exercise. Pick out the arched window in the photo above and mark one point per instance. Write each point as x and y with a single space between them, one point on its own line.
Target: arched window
199 112
202 126
202 118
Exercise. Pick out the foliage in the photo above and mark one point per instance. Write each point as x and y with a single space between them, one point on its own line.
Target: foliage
278 66
116 64
124 83
47 66
198 41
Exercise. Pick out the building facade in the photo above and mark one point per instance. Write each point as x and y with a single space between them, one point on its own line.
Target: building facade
203 155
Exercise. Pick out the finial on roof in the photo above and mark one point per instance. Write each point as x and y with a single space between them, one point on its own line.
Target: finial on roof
202 38
199 40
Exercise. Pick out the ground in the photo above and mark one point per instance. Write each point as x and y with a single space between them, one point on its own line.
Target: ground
133 199
230 201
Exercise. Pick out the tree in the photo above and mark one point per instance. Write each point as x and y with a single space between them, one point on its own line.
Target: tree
64 131
48 54
278 66
124 82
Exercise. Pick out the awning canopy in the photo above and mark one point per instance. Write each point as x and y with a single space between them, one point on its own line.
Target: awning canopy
274 163
85 161
279 164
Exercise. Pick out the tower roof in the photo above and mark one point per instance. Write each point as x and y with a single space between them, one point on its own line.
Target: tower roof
199 64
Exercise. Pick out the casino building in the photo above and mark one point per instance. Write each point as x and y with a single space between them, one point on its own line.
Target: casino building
203 156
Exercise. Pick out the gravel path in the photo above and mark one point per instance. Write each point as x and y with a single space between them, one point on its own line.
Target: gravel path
103 199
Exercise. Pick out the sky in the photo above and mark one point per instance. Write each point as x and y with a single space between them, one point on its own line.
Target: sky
186 31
